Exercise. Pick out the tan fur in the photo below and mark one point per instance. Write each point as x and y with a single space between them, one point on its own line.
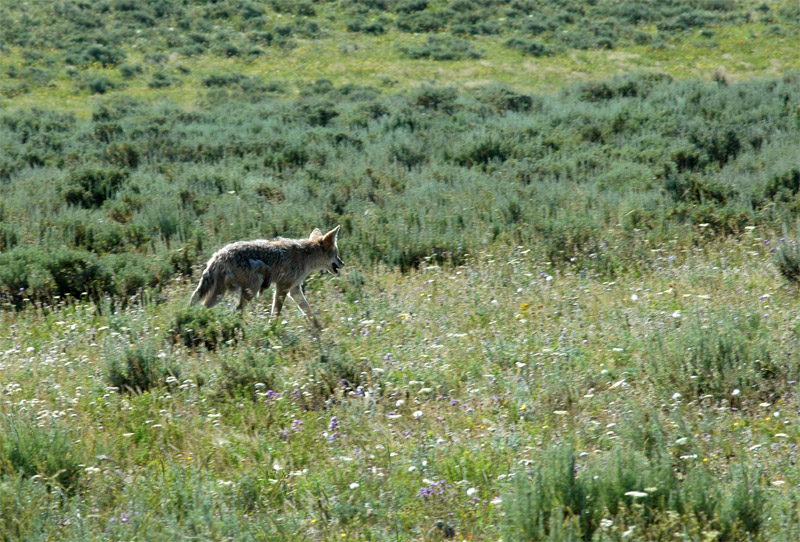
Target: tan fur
252 266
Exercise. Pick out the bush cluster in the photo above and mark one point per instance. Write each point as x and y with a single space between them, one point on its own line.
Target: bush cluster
105 205
100 33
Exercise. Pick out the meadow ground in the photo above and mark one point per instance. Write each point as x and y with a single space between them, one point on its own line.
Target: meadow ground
502 398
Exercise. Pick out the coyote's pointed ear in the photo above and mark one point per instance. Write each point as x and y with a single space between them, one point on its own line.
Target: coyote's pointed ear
329 238
316 234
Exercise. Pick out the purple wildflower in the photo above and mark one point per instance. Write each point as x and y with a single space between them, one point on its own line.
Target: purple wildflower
436 488
332 433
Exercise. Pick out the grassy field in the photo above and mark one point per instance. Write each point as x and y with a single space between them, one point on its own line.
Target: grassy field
734 53
569 310
500 399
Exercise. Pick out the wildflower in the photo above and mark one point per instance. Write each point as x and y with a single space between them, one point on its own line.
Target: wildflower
636 494
355 485
437 488
417 414
471 491
332 433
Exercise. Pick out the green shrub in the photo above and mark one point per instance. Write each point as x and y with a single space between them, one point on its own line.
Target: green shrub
99 84
198 326
27 508
137 369
161 80
687 20
503 98
240 373
30 448
129 71
715 353
410 6
550 499
437 48
743 508
91 186
40 273
360 24
333 374
481 149
107 56
438 98
304 8
420 22
529 47
787 260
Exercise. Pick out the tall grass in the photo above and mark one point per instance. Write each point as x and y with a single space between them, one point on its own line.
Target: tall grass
497 397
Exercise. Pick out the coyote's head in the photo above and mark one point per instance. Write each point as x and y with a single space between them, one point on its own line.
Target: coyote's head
328 241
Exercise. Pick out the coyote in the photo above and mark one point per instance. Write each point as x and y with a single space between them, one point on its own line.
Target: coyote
252 266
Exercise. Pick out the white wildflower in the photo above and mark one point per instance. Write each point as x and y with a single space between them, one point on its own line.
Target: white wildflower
636 494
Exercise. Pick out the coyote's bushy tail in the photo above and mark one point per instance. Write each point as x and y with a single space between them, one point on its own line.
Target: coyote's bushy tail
207 291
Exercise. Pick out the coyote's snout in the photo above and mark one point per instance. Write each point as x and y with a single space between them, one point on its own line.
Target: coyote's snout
252 266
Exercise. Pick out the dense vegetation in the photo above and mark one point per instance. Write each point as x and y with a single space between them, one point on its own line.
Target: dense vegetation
630 160
566 315
103 32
